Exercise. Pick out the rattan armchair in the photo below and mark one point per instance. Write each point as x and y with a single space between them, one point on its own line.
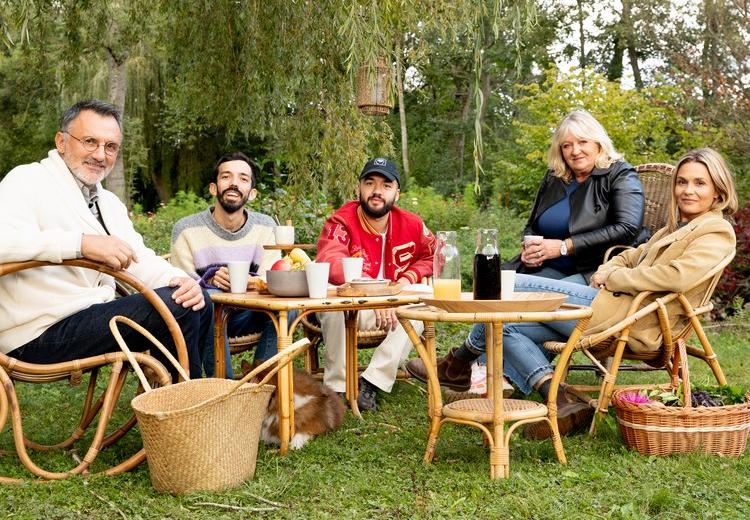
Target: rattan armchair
613 342
13 371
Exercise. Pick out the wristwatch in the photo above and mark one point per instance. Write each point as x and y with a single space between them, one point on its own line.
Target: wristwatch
563 248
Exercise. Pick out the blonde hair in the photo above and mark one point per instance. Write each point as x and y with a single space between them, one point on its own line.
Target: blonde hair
726 199
581 125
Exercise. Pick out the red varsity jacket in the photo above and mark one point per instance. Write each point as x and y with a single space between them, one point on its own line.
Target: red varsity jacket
409 245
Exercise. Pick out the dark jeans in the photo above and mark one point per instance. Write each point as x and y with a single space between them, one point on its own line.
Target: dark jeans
86 333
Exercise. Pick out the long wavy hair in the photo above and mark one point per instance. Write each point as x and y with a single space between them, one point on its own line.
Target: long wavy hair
721 175
581 125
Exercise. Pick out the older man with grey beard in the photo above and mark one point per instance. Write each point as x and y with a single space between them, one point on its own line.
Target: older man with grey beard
56 210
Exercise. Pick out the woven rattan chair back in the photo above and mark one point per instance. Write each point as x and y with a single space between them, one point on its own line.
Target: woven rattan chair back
12 371
657 188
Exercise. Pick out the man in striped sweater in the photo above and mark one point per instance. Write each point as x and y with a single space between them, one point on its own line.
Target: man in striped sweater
203 244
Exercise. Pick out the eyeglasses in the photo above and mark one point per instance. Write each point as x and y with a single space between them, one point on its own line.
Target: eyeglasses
91 145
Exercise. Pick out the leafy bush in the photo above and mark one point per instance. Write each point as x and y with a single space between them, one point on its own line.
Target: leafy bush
156 228
733 288
645 125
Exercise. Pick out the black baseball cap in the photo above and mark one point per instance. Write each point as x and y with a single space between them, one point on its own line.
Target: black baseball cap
384 167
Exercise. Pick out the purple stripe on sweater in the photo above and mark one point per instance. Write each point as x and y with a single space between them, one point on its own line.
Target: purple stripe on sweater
208 256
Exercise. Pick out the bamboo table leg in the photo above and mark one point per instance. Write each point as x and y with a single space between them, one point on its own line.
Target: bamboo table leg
352 361
500 452
220 327
285 388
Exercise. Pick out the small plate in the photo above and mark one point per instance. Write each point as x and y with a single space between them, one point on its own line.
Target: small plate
521 302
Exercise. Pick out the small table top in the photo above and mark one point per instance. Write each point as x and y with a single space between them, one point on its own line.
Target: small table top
515 313
255 300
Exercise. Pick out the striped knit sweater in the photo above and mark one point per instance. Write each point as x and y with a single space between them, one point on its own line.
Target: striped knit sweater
200 246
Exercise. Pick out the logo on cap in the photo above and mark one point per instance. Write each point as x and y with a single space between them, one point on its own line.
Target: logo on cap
379 162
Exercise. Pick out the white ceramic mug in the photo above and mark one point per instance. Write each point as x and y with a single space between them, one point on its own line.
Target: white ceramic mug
317 279
507 283
238 273
529 238
352 268
284 235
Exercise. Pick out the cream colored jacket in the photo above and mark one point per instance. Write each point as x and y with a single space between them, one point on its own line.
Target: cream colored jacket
669 262
42 217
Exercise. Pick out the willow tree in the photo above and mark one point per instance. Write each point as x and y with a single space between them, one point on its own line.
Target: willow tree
205 75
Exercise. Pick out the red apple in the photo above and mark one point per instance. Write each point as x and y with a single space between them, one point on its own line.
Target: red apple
281 265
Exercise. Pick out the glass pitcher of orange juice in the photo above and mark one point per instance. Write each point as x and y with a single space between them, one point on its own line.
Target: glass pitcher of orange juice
446 272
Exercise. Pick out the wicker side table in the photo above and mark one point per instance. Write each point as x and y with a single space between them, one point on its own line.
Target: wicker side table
489 415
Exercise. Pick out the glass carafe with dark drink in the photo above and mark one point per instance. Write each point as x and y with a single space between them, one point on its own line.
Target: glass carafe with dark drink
487 266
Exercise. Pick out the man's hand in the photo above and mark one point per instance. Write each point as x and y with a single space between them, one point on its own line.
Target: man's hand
188 293
221 280
385 319
109 250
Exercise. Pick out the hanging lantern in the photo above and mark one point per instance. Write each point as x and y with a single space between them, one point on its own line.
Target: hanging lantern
374 89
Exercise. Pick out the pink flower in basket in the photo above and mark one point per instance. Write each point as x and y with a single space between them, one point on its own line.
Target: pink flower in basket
634 397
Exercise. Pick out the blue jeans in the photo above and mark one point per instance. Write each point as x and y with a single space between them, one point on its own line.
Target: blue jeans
86 333
241 323
525 361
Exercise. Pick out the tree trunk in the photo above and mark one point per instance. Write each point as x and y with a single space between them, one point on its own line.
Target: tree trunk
582 35
627 24
402 112
117 89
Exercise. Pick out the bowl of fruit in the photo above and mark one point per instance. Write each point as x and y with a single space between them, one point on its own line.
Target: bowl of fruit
287 276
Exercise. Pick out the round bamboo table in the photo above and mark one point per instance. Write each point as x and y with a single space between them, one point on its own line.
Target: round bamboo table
490 415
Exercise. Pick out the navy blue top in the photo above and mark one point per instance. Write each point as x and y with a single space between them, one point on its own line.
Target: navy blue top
554 223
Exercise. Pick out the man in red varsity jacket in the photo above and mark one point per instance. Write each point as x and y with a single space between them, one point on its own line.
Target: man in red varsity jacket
394 244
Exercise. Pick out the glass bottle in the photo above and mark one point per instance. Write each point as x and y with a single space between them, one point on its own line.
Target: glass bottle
487 266
446 272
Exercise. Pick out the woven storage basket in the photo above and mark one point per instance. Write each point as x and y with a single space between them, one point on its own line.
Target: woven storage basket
202 434
655 429
200 437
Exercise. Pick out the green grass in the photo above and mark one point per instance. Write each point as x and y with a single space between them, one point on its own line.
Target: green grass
373 469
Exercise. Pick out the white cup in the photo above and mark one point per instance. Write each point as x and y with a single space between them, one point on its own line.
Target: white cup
317 279
507 283
529 238
238 272
284 235
352 268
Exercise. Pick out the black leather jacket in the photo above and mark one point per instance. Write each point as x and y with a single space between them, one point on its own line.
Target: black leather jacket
606 210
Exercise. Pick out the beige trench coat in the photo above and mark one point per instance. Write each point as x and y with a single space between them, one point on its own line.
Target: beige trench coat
669 262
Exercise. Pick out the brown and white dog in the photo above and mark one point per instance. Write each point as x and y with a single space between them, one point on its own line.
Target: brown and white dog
317 410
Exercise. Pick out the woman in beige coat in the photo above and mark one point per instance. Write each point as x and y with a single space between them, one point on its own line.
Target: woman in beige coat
697 237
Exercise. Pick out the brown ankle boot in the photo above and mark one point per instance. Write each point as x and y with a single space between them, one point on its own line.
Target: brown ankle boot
452 372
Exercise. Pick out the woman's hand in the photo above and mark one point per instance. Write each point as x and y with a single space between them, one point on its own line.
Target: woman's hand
536 252
597 280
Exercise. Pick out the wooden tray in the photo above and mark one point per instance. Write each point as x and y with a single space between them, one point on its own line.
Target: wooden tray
289 247
364 290
521 302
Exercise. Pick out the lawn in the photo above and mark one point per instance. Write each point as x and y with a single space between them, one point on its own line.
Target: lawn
373 469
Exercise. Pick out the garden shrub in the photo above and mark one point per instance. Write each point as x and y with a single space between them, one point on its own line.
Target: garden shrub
156 228
733 289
